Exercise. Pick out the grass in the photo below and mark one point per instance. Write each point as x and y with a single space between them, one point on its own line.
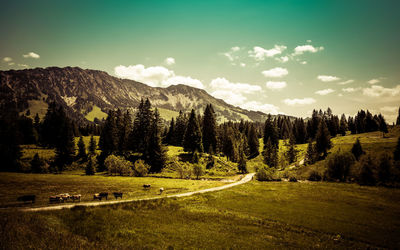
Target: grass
254 215
167 114
13 185
96 113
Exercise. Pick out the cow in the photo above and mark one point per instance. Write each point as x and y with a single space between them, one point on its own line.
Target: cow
76 197
161 190
27 198
100 196
64 197
104 195
55 198
146 186
97 197
117 194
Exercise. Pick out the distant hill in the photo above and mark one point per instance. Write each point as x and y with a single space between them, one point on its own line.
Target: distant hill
88 94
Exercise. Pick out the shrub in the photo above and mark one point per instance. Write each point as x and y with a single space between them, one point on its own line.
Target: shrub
196 157
210 162
375 169
198 170
314 176
293 179
140 168
264 174
357 149
118 165
183 170
38 165
338 166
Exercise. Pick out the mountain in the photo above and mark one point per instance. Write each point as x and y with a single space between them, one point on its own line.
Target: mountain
88 94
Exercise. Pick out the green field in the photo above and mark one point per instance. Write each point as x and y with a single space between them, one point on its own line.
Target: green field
13 185
254 215
96 112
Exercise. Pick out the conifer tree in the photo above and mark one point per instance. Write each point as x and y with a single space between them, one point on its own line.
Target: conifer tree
169 139
180 128
382 125
81 149
270 132
209 130
253 142
309 158
323 139
343 125
396 153
270 155
155 154
36 164
357 149
398 118
65 148
90 169
242 165
192 139
291 153
142 124
92 146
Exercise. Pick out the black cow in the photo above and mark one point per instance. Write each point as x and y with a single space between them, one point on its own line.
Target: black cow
117 194
100 196
27 198
146 186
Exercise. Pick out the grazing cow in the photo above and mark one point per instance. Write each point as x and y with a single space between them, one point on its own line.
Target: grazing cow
97 197
64 197
146 186
161 190
104 195
27 198
76 197
117 194
55 198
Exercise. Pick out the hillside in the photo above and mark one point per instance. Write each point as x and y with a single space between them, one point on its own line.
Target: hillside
89 94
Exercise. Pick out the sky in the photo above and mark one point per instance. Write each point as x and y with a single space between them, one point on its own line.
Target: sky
287 57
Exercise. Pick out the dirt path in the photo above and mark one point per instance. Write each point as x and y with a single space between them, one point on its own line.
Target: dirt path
245 179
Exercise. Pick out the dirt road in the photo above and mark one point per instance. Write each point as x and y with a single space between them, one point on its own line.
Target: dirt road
245 179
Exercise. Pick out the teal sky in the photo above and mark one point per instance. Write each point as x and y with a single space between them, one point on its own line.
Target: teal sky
350 40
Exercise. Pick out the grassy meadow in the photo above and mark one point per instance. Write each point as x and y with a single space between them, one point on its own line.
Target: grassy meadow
254 215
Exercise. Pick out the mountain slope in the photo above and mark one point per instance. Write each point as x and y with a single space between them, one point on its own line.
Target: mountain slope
86 94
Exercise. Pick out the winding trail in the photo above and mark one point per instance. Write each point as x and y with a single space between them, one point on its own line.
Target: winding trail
245 179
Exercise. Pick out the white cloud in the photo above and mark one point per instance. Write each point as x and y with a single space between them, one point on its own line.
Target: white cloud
282 59
296 101
275 72
340 95
152 76
299 50
390 109
324 91
31 55
231 54
373 81
257 106
156 76
303 62
309 41
259 53
11 63
7 59
23 65
229 97
186 80
325 78
276 85
223 84
377 91
350 90
242 65
346 82
232 93
169 60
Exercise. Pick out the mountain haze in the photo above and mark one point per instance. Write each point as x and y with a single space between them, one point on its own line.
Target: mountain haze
87 94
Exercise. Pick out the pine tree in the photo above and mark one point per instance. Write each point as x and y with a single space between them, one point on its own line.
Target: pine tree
155 154
309 158
36 164
90 169
65 148
343 125
357 150
270 155
209 130
180 128
323 139
382 125
139 138
242 165
270 132
396 153
169 139
192 139
253 142
81 149
92 146
398 118
291 153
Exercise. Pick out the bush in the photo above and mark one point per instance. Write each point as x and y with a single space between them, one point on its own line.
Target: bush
314 176
196 157
198 170
338 166
183 170
374 169
140 168
118 165
264 174
293 179
364 170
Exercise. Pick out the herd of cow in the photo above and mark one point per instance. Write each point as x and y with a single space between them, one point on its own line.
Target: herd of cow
77 197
